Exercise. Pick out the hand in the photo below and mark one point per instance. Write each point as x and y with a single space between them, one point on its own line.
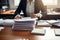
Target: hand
18 17
34 16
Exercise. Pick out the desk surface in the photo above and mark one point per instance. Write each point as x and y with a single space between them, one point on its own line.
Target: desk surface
8 12
9 34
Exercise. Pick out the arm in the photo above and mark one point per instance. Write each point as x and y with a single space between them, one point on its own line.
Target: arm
18 10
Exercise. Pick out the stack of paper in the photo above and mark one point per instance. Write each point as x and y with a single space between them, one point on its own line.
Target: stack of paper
24 24
29 18
38 31
57 32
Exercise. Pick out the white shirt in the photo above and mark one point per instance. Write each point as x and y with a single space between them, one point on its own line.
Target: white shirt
30 8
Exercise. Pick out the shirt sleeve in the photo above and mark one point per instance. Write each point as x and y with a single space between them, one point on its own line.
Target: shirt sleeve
40 15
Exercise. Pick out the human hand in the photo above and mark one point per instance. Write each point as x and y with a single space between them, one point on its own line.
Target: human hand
18 17
34 15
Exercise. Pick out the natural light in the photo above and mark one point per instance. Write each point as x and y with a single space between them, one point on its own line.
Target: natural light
49 2
16 2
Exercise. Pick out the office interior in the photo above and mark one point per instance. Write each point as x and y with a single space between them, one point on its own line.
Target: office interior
50 17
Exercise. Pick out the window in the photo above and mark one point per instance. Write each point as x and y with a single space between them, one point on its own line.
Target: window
16 2
49 2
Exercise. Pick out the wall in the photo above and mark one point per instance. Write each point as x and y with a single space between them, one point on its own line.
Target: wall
11 3
53 16
55 6
58 4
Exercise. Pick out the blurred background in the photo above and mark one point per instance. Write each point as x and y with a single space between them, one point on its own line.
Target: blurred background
51 7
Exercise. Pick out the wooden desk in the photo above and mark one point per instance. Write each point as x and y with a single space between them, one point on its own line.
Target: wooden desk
7 14
9 34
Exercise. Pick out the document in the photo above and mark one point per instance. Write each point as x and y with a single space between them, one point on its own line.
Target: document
57 32
24 24
56 24
38 31
29 18
52 21
43 24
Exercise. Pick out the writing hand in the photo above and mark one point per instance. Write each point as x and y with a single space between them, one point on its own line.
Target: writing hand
18 17
34 16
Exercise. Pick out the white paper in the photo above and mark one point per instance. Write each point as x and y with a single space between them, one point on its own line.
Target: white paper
29 18
57 24
57 31
38 31
24 24
44 24
52 21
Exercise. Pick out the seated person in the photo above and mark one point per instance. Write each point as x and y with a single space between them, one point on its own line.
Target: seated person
29 8
0 6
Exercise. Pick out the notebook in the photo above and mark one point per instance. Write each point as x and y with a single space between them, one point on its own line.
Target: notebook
44 24
38 31
57 32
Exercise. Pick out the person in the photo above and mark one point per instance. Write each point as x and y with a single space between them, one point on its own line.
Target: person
29 7
0 7
0 3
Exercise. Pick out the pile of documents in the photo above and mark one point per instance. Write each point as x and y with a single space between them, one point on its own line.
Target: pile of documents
39 31
24 24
